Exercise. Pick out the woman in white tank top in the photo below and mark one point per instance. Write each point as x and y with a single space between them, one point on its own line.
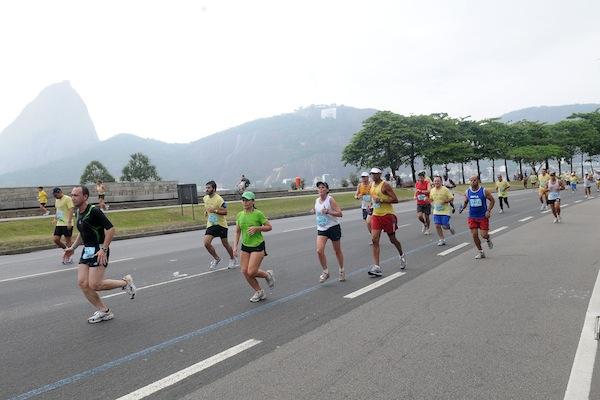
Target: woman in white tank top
553 188
327 212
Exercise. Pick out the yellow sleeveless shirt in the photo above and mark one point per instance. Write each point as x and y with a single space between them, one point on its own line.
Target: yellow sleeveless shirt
381 209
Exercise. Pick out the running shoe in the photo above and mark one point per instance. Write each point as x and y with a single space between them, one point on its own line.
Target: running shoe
451 229
376 271
130 287
342 277
490 244
423 228
441 242
100 316
555 220
559 219
233 262
427 232
107 206
480 255
500 212
270 279
47 213
213 264
542 207
324 276
402 261
258 296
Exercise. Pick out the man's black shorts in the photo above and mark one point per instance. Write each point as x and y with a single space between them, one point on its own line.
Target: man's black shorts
93 262
367 212
334 233
424 208
217 231
63 231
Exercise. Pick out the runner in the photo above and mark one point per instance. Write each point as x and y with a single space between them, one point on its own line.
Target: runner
215 210
328 227
543 179
573 181
96 233
477 198
362 193
43 200
533 179
63 221
383 197
588 181
502 188
597 177
422 188
250 223
449 183
441 198
553 188
101 189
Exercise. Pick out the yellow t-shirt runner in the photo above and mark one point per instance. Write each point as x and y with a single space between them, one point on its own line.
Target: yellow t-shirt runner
543 179
439 197
501 188
42 197
381 209
64 207
215 201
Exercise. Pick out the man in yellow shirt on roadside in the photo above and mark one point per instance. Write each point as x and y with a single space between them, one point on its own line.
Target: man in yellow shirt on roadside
64 221
43 200
502 188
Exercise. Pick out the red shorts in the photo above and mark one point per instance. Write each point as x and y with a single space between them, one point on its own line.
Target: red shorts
387 223
479 223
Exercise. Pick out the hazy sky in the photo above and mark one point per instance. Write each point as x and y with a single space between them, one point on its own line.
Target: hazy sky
179 70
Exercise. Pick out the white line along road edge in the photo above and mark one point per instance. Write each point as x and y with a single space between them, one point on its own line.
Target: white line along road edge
580 380
525 219
498 230
451 249
189 371
374 285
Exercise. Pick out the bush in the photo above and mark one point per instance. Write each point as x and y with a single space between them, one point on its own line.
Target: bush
354 179
345 182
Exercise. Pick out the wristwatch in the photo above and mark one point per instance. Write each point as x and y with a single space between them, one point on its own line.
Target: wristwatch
105 249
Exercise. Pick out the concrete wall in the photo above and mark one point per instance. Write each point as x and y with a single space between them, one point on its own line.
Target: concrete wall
26 197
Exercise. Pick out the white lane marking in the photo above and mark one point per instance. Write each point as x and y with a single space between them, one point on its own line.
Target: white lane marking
564 205
498 230
181 278
451 249
189 371
580 380
403 226
525 219
592 197
375 285
53 272
547 211
578 201
298 229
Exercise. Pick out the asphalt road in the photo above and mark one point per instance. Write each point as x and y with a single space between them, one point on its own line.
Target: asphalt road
506 327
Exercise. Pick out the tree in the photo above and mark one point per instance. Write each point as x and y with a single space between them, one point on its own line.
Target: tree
354 179
95 171
139 169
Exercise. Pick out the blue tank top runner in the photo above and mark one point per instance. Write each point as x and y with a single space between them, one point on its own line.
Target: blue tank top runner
477 203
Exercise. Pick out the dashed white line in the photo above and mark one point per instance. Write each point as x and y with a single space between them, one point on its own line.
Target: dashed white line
525 219
580 380
547 211
498 230
375 285
403 226
298 229
564 205
578 201
451 249
189 371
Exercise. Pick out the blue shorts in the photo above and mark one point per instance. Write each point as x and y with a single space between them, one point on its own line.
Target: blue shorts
574 186
441 219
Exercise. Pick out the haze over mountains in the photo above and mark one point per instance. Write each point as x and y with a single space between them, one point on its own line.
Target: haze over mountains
54 137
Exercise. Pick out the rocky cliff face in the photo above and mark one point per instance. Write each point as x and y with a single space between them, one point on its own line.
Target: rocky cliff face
53 126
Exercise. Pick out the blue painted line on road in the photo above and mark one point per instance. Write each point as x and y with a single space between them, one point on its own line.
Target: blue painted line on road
203 331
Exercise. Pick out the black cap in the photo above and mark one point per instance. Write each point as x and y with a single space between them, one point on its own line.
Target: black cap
56 190
322 183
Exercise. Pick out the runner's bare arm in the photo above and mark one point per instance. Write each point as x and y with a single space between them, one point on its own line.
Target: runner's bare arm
335 210
388 190
488 195
70 250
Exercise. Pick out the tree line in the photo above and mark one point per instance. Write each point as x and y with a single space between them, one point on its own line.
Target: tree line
138 169
390 140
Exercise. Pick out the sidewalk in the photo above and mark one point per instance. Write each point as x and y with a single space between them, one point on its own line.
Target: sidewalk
506 327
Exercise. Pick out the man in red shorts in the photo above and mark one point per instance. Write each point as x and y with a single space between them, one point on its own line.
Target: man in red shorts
477 198
383 219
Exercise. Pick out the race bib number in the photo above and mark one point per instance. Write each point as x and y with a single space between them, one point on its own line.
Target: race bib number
212 218
366 198
321 220
376 205
438 207
553 195
475 202
88 252
60 215
421 197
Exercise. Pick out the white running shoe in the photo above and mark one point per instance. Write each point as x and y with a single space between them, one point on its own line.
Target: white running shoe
423 228
342 277
107 206
451 229
258 296
47 213
480 255
213 264
270 279
402 261
559 219
130 287
542 207
324 276
427 232
233 262
501 211
375 271
490 244
441 242
100 316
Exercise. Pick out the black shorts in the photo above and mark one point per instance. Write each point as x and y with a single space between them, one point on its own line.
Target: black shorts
367 212
43 204
552 201
250 249
93 262
63 231
216 231
424 208
101 196
334 233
